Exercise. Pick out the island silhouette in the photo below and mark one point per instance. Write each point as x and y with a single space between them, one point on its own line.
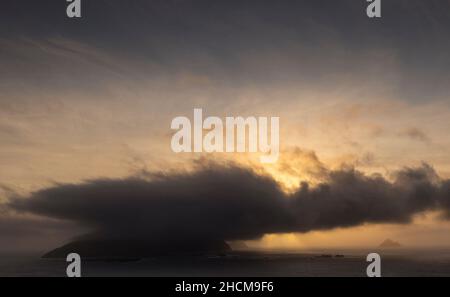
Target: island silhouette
389 243
135 249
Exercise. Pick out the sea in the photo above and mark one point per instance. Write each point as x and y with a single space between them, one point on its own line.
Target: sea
314 263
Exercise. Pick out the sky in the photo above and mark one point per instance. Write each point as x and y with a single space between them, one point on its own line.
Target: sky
86 105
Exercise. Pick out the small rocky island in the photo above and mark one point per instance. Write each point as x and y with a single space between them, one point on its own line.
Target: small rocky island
388 243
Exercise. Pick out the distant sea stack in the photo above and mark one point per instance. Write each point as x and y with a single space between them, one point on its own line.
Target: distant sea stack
389 244
117 249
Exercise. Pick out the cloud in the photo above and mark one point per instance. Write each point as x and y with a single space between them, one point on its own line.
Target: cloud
301 42
416 134
19 233
229 202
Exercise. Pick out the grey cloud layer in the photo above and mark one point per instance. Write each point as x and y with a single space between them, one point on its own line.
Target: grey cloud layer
302 42
229 202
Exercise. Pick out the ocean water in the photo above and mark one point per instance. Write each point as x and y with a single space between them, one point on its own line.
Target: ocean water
243 264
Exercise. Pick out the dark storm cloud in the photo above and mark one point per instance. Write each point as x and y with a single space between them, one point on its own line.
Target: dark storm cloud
229 202
19 233
22 227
